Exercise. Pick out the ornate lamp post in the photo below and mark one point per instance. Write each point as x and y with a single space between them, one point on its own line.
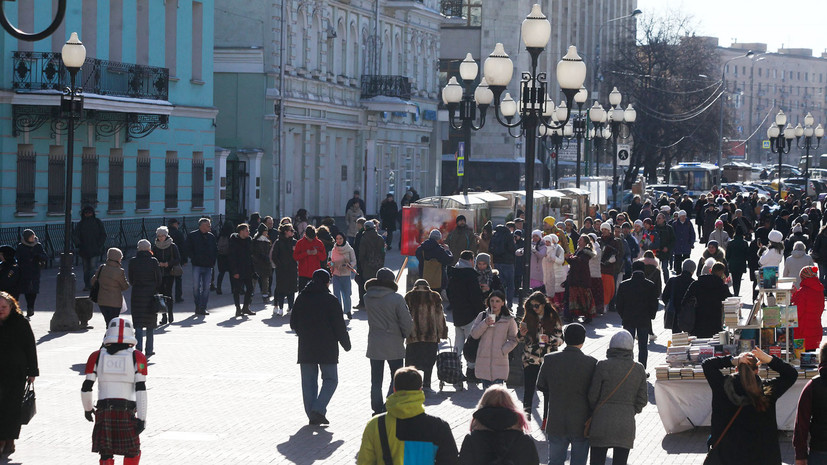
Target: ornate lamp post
780 139
71 106
535 107
807 132
33 37
618 116
552 142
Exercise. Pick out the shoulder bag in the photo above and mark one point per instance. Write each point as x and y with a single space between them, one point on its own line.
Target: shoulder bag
29 408
95 290
383 438
686 317
713 457
588 424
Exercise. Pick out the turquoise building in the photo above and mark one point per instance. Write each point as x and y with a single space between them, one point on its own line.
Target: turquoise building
145 144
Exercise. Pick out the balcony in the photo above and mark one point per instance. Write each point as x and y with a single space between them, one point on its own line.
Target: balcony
452 8
386 86
43 71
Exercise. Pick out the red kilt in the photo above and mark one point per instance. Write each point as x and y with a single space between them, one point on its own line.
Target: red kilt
115 432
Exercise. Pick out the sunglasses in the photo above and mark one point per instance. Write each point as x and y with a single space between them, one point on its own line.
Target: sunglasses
536 305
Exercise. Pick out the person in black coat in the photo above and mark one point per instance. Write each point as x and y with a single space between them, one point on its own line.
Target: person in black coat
181 241
387 213
10 276
499 432
169 256
18 364
318 323
202 250
241 269
287 269
466 298
637 305
673 295
30 257
755 424
709 293
432 249
145 278
89 237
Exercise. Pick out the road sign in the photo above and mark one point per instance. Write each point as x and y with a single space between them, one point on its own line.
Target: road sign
461 159
624 157
765 144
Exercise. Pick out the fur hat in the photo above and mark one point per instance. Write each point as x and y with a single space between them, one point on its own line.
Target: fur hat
574 334
369 224
144 245
385 275
162 230
776 236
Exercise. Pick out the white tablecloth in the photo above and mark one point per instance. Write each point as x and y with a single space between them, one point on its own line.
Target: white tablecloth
684 404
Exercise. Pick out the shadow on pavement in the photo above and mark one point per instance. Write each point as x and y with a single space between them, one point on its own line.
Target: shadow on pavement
693 441
78 368
296 449
233 321
277 321
191 321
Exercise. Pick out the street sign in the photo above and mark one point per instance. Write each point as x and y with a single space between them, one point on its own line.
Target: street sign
461 159
765 144
624 157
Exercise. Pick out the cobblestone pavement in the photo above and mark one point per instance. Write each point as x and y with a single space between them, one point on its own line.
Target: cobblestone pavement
225 390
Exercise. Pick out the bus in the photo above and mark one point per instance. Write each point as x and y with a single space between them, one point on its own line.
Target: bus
698 178
820 162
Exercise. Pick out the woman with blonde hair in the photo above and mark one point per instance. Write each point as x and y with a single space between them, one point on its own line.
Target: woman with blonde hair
499 432
19 366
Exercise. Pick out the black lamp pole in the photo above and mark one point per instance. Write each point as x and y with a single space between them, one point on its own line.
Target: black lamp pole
552 144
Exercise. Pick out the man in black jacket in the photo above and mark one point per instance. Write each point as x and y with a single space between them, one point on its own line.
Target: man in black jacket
673 294
89 238
202 249
466 298
241 268
564 379
317 321
179 240
637 304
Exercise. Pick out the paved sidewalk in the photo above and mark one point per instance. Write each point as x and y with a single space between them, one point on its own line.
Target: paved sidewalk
225 390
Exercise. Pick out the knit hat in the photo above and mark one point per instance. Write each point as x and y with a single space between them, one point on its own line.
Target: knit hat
549 220
776 236
461 218
518 233
688 266
622 340
27 233
369 224
797 228
162 230
605 226
713 242
435 235
719 223
639 223
385 275
321 277
574 334
114 254
808 272
799 246
681 213
483 257
537 233
551 238
144 244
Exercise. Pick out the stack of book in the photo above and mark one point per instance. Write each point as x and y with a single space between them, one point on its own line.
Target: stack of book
732 308
677 356
680 339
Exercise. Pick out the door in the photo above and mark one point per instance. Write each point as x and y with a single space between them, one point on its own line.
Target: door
237 179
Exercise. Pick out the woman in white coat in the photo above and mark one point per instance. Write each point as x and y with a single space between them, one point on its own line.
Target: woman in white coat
774 255
554 269
594 273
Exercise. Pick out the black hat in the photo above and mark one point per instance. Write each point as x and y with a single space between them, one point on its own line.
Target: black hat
574 334
461 218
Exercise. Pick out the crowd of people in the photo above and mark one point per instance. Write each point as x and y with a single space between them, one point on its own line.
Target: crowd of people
615 261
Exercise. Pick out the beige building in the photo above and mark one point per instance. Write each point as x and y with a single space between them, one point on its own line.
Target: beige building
475 26
792 80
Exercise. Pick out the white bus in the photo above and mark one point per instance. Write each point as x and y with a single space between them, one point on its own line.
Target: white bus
698 178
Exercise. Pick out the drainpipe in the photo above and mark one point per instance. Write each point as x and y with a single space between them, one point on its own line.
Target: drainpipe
277 160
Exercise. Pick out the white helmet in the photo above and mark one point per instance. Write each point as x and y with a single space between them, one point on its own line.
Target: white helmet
119 331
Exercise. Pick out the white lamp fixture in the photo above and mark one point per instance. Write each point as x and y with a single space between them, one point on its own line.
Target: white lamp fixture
498 68
789 132
597 114
549 108
615 97
617 114
452 93
536 29
808 131
819 131
809 120
781 118
571 71
561 111
508 107
798 130
468 68
607 132
568 131
581 96
73 53
483 94
773 131
630 115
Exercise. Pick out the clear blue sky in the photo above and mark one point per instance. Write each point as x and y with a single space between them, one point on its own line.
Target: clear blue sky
793 23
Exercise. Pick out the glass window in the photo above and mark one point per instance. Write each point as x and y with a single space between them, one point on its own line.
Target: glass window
25 178
142 175
89 177
197 179
57 179
171 180
115 179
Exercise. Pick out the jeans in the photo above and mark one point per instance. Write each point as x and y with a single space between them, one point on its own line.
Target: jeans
150 337
487 384
201 276
642 341
109 313
342 290
558 445
817 457
461 334
507 279
422 355
619 455
377 367
90 266
316 400
166 289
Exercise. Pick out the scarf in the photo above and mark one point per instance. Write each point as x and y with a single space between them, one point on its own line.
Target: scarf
486 276
165 244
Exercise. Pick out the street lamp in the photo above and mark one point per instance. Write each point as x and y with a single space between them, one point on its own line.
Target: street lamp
552 142
617 116
780 139
723 91
533 99
807 132
595 72
71 106
578 127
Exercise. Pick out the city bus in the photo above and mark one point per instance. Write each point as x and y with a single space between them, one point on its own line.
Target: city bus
819 163
698 178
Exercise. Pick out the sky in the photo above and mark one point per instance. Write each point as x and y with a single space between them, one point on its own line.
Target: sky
790 23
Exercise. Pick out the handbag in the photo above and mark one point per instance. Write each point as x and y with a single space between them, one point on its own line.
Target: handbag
176 270
669 313
95 290
29 406
469 350
588 424
159 303
713 457
686 317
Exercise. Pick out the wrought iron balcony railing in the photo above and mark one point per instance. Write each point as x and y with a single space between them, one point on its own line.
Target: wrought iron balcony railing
452 8
385 85
34 71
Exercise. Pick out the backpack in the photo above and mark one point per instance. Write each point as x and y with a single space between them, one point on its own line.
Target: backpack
497 246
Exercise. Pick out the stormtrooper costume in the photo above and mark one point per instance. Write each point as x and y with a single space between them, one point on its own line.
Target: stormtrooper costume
121 371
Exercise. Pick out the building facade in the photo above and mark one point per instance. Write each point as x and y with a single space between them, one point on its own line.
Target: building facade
144 143
320 98
792 80
496 159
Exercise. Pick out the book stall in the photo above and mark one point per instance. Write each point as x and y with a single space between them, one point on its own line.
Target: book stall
682 395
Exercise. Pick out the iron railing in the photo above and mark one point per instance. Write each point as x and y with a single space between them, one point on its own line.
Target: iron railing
452 8
34 71
385 85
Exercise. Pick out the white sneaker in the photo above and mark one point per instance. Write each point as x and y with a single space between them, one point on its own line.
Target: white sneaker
653 338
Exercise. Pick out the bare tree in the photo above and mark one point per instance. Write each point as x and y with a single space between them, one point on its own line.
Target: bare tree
671 78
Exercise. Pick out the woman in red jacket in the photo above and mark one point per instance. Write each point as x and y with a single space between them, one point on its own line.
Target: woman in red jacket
310 255
809 298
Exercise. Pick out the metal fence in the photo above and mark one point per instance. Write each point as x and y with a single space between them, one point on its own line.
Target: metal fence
123 234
